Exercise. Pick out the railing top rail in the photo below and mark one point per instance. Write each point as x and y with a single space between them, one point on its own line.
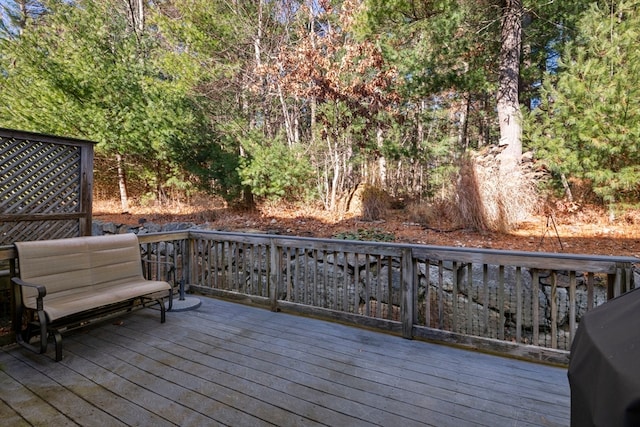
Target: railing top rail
480 255
161 236
544 260
8 252
338 245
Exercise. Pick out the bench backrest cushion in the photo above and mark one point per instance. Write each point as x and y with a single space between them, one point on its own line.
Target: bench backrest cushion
65 264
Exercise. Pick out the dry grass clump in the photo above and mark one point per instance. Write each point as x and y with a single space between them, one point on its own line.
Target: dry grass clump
374 203
488 200
441 213
469 197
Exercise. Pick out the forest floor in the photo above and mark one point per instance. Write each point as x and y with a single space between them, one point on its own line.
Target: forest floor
584 231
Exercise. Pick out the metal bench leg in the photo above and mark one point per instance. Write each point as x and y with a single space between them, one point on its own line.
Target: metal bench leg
57 337
163 310
23 336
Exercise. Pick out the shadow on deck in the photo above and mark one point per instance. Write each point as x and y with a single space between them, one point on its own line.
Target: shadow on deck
231 364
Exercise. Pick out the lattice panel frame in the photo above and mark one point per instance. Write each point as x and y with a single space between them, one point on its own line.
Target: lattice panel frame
45 186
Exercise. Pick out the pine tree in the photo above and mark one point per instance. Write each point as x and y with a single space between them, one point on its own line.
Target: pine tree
588 125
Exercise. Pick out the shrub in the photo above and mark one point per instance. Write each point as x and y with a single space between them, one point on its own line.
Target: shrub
276 172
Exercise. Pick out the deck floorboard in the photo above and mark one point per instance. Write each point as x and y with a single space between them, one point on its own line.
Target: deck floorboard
231 364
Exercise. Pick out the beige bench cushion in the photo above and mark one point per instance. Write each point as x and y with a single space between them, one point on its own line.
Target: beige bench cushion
70 302
83 273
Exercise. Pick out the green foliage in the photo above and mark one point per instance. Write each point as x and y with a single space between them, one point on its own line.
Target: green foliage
588 125
203 86
82 70
430 42
364 234
275 171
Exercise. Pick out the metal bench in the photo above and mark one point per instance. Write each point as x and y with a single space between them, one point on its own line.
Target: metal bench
65 284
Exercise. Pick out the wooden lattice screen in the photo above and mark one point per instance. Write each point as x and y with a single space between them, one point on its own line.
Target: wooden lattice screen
45 186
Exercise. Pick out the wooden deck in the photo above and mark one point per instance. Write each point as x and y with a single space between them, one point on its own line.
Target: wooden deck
230 364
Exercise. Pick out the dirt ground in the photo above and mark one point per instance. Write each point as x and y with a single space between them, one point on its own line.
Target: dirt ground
585 231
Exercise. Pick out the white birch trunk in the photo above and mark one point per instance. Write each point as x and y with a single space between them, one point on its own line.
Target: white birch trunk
382 160
122 184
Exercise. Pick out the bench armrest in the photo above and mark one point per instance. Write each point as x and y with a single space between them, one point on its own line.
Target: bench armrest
42 291
23 336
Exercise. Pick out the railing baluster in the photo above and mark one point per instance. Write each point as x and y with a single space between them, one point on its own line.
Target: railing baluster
554 309
519 305
218 264
241 261
440 295
274 275
485 288
454 297
222 265
207 266
248 274
334 304
287 266
257 268
303 277
390 288
345 283
378 311
427 293
501 301
535 299
356 281
367 285
572 305
416 288
314 289
470 302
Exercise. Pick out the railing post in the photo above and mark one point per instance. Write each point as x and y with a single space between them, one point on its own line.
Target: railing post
273 275
612 288
407 303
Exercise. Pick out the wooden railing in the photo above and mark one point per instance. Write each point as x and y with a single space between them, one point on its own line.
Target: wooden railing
524 304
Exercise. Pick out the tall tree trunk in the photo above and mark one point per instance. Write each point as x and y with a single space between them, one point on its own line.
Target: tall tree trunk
463 140
382 160
509 114
335 156
288 125
463 122
312 99
122 184
136 14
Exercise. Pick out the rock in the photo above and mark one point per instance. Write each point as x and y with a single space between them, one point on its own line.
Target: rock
109 228
177 226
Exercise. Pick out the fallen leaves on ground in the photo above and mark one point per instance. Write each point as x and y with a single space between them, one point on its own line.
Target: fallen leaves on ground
578 233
